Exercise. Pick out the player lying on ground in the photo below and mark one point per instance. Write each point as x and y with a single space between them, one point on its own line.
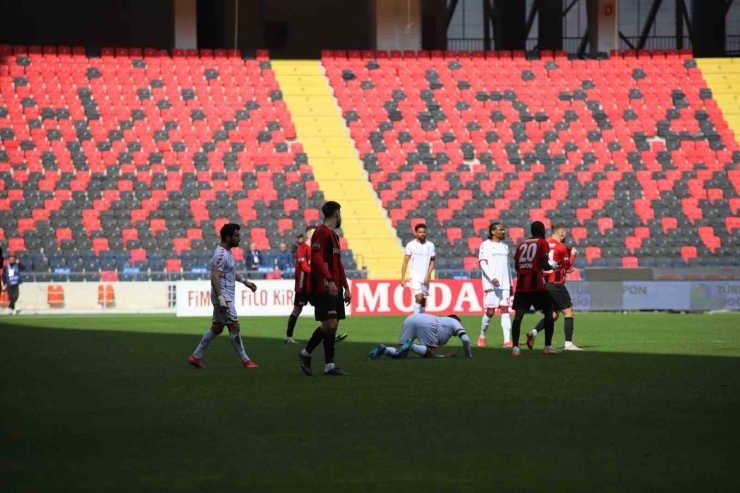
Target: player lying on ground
531 260
493 258
562 258
302 271
431 332
223 277
420 253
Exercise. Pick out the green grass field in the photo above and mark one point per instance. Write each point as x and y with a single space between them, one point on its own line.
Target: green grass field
108 404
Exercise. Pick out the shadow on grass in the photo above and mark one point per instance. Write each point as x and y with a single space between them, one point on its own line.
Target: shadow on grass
92 411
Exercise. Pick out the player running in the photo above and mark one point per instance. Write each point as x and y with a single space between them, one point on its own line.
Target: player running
421 254
493 258
223 277
555 283
531 259
328 300
431 331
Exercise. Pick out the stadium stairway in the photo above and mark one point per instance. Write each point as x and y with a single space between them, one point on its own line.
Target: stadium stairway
723 78
336 166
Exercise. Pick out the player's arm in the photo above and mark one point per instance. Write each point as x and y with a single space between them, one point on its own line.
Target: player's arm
546 262
318 244
305 263
517 253
568 257
246 282
405 266
428 279
216 287
345 284
466 343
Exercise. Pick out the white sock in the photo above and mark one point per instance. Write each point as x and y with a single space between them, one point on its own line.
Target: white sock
506 326
534 332
417 307
236 341
568 343
419 349
548 347
390 351
484 325
328 366
305 353
206 341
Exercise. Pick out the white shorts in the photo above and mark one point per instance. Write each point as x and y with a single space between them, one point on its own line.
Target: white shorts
419 326
496 298
224 318
419 288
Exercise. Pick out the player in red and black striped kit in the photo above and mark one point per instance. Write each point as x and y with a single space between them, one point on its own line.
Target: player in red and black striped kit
302 272
329 289
530 261
555 282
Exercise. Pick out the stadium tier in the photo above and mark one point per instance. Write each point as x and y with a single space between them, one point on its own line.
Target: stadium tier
632 152
126 162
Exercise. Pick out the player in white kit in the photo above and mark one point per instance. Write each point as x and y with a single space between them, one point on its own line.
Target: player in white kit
420 253
493 259
223 292
431 332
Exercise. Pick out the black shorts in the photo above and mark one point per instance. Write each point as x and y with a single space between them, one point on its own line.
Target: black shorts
540 300
560 297
301 299
327 307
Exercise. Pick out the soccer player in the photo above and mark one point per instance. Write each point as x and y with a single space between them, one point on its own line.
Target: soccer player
302 271
493 258
431 331
531 260
421 254
223 277
555 283
327 273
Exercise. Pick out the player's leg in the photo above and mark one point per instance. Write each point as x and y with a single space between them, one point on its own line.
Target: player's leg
532 334
503 303
238 345
569 319
329 310
549 325
489 303
292 320
419 303
216 328
522 303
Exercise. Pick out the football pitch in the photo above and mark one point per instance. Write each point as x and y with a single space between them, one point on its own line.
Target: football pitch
108 404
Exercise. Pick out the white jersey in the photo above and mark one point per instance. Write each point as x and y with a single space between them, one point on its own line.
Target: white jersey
421 256
448 328
223 261
494 261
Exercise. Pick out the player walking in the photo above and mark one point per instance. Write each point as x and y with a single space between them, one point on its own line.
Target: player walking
223 277
530 260
302 271
421 254
431 331
493 258
328 300
555 283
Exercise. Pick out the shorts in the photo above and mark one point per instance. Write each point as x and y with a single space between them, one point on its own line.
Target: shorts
327 307
496 298
560 297
301 299
419 288
224 318
413 330
540 300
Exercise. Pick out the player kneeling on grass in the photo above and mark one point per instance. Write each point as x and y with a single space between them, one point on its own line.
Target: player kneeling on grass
223 277
431 331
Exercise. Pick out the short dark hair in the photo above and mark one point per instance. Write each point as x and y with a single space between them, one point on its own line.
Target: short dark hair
419 226
558 227
538 229
455 317
491 228
330 208
229 230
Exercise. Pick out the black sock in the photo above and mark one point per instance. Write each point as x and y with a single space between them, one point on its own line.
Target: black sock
549 330
315 340
516 328
291 325
329 344
540 325
568 329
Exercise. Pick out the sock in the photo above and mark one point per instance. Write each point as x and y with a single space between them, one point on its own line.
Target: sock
538 328
236 341
423 308
390 351
549 330
206 341
329 344
506 326
315 340
516 328
417 307
291 325
328 366
568 331
484 325
419 349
